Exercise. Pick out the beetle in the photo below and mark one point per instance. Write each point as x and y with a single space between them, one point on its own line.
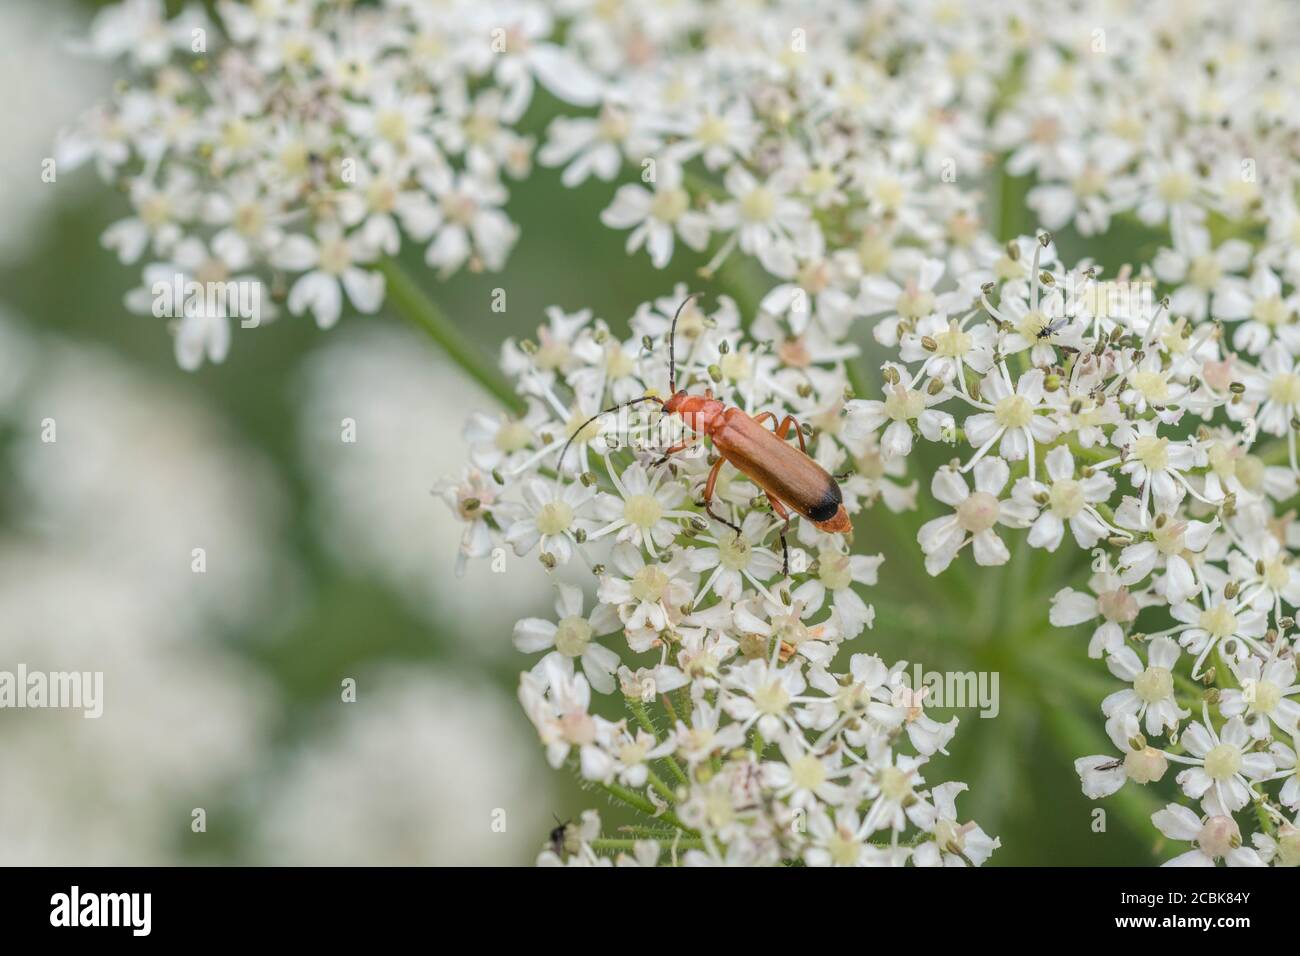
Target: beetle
790 479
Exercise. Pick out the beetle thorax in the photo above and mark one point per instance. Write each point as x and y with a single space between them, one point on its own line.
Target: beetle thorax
701 413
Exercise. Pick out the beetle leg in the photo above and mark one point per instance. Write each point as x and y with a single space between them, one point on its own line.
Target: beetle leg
708 496
682 445
784 429
781 512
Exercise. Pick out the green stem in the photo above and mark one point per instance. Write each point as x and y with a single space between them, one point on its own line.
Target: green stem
615 843
663 789
1011 194
406 297
642 716
637 802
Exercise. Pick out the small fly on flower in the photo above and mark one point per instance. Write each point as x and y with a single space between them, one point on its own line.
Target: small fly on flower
1051 328
789 479
558 837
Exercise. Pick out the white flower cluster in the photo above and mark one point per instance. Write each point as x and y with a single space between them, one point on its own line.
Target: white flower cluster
741 741
1075 405
844 150
296 143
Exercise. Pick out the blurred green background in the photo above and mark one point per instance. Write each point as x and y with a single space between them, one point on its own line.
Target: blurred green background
361 582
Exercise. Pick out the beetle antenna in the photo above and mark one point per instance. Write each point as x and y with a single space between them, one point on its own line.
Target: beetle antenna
559 465
672 343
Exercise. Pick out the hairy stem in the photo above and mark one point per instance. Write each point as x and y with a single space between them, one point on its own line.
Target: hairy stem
638 802
615 843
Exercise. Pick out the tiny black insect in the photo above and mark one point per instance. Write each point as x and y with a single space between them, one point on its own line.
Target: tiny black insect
558 836
1047 331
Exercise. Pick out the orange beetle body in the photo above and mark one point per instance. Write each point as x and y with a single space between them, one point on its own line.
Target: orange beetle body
762 455
790 479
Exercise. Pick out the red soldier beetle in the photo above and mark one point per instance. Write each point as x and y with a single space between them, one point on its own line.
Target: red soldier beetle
790 479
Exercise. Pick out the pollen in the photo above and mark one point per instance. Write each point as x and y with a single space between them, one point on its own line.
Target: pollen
582 433
895 784
1219 621
1014 411
712 131
807 772
1223 762
1285 389
734 552
649 584
772 699
670 204
758 205
836 572
736 366
1031 323
1205 272
1263 696
572 635
1175 187
915 303
1146 766
1151 385
644 511
1152 451
1277 574
1066 498
513 436
953 342
554 518
335 257
1154 684
903 404
618 364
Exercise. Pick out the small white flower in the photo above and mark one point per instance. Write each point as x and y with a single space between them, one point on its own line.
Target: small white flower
766 220
978 512
1264 695
655 217
1111 601
645 510
558 707
1222 765
649 597
1066 500
1215 838
952 843
1151 698
467 223
336 263
572 638
904 405
555 519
